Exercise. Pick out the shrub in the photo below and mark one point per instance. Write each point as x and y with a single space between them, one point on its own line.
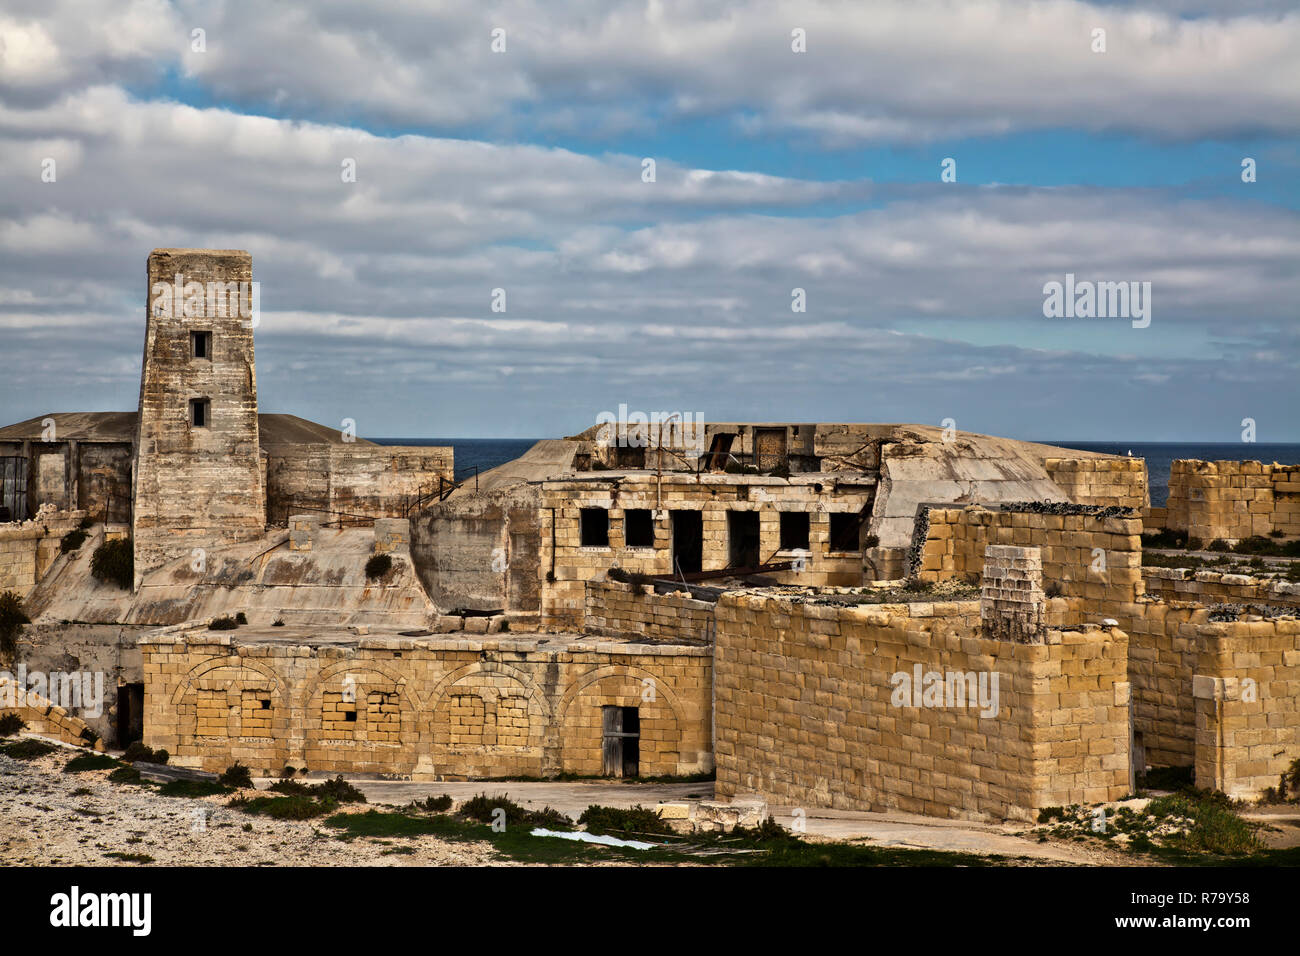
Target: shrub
378 566
433 804
284 808
73 540
138 751
223 624
86 523
12 619
482 809
114 563
83 762
635 820
337 790
241 618
1218 544
237 775
27 749
10 724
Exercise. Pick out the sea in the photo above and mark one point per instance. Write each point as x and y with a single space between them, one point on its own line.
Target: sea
485 453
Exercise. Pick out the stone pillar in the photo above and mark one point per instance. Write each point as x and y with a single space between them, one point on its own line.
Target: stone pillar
1012 602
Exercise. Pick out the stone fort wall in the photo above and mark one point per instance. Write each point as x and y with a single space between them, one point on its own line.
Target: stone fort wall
423 708
1231 499
807 715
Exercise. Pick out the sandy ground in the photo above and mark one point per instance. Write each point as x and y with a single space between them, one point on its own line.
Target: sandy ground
45 822
48 817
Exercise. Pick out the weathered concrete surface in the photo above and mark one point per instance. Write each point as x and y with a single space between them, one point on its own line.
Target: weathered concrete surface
264 579
481 552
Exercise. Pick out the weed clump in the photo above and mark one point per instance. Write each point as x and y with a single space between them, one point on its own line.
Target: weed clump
10 724
114 563
138 751
237 775
12 619
638 821
378 566
73 540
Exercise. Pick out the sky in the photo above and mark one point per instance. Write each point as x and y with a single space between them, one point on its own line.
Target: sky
795 146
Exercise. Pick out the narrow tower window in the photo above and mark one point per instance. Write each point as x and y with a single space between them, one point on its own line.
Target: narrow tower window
199 412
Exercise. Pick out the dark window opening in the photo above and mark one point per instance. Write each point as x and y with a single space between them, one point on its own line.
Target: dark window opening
201 345
638 528
844 531
350 716
621 741
688 542
742 535
264 703
794 531
595 528
199 412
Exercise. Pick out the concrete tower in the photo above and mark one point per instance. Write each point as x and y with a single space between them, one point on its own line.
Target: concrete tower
198 482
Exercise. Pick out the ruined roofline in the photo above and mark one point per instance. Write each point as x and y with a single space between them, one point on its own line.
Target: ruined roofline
201 252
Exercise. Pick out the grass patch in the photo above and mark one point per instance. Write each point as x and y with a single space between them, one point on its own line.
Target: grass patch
636 821
27 749
192 788
1216 827
284 808
485 809
338 790
84 762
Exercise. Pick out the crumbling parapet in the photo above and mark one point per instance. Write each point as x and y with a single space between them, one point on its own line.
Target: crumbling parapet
1012 601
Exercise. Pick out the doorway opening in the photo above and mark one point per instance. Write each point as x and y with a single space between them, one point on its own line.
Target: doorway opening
621 738
688 542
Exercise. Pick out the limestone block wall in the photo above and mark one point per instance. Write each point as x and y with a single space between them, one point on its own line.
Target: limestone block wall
615 609
1247 689
1162 661
1101 481
423 708
44 717
1211 587
1086 552
354 478
28 548
196 486
811 711
1233 499
565 565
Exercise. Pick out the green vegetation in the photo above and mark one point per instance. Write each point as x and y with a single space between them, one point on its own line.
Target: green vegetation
84 762
27 749
1216 827
10 724
73 540
338 790
484 809
431 804
237 775
284 808
192 788
138 751
12 619
114 563
378 566
636 821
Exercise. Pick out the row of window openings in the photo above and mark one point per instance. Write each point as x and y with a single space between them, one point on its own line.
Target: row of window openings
638 529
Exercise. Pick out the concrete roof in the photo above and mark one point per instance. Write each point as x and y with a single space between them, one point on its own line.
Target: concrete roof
121 427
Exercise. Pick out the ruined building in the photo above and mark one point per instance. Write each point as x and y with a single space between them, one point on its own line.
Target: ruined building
865 616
